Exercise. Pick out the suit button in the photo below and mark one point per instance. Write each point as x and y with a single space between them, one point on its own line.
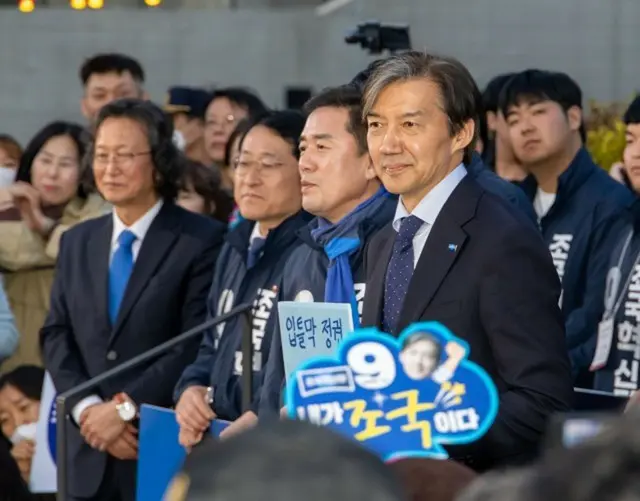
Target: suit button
112 355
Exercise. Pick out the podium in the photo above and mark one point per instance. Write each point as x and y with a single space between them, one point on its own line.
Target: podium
160 456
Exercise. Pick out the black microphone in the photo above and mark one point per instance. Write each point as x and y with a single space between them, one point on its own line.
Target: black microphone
61 401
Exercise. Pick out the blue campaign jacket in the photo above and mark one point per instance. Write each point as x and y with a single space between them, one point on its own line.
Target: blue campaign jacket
622 300
504 189
304 280
581 229
219 360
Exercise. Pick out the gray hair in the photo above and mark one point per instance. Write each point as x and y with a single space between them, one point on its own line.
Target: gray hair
460 97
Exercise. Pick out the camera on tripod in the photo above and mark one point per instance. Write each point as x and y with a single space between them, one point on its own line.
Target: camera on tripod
376 37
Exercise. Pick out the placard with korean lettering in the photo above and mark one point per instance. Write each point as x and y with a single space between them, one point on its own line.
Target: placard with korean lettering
400 397
310 330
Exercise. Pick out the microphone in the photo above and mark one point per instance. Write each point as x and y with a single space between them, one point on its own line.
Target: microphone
243 310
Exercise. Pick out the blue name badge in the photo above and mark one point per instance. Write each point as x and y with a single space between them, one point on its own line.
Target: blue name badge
405 397
310 330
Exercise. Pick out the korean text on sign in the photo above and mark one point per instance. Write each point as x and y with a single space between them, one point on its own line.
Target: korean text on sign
310 330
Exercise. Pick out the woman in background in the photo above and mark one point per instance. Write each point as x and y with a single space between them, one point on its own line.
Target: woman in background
10 153
20 392
47 198
200 192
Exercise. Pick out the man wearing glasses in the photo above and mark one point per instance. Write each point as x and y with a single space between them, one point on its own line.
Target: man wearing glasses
125 283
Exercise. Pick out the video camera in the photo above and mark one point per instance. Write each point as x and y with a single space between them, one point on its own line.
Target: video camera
376 37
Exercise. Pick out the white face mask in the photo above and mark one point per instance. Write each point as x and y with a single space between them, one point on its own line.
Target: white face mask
7 176
24 432
178 140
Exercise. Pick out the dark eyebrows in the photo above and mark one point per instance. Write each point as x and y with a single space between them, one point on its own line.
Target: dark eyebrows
409 114
317 137
413 114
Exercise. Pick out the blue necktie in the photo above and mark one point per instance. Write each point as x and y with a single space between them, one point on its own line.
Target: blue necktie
399 273
255 251
119 272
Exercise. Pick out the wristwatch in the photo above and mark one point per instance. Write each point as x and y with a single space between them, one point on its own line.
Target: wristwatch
126 409
209 396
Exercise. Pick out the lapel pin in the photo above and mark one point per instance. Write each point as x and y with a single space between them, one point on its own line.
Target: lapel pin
453 247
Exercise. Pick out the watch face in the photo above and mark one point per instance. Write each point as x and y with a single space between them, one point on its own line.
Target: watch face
127 411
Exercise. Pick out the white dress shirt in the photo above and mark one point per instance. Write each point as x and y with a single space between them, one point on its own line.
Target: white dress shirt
429 208
140 229
255 233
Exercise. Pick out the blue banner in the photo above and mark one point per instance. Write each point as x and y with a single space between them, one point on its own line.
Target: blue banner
400 397
160 456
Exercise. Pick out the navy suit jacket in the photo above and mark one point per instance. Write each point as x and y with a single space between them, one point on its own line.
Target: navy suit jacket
499 292
165 296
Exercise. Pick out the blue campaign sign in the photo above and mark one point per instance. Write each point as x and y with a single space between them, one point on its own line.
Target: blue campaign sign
400 397
309 330
218 426
160 456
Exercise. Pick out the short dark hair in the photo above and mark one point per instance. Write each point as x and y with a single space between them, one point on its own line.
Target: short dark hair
538 85
111 63
632 115
345 97
165 156
206 183
243 98
432 479
288 124
28 379
288 461
461 97
360 80
542 85
240 130
491 93
55 129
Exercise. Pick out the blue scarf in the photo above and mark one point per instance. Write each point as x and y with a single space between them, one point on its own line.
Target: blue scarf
340 241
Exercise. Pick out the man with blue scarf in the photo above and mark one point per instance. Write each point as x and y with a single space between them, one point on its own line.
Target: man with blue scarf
339 187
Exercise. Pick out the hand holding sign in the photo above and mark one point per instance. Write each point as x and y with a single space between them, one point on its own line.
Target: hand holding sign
400 397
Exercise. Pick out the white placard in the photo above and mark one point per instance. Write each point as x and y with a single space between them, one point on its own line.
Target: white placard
43 466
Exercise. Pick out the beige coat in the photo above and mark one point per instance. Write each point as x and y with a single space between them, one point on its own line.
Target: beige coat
28 261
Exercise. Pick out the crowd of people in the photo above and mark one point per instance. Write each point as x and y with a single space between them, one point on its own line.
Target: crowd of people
480 210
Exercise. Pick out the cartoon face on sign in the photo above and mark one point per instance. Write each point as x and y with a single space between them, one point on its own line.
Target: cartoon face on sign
400 397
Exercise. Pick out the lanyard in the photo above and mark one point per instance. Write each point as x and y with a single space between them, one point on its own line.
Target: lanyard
611 312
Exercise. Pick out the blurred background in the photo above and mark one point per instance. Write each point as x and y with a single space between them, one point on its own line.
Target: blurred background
276 46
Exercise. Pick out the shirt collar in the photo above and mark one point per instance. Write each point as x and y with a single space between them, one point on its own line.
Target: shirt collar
431 205
255 233
139 228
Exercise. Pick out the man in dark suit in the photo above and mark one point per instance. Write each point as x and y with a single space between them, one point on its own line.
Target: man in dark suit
457 254
125 283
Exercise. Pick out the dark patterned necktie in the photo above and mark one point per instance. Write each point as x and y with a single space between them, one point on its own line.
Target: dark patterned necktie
399 273
255 251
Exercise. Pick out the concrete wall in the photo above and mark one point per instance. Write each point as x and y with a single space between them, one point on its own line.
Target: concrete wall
596 43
